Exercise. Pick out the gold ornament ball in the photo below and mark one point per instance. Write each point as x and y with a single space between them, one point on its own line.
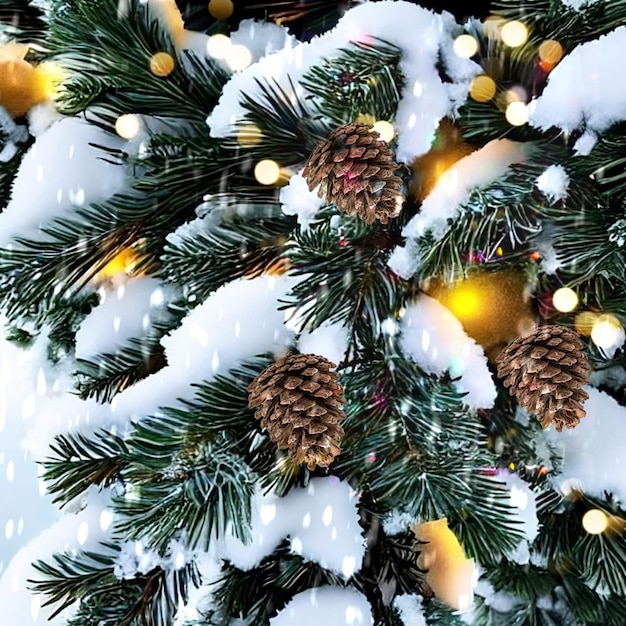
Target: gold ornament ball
21 87
492 306
221 9
162 64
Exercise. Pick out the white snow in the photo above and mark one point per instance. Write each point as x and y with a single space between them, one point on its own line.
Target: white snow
410 609
397 522
436 341
593 452
326 605
321 521
553 183
329 340
423 37
126 312
523 503
577 5
454 187
261 38
582 92
59 171
296 199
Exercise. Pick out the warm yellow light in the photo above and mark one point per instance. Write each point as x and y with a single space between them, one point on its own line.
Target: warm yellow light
365 118
267 172
122 263
483 88
127 125
465 303
162 64
238 57
218 46
550 51
607 331
221 9
465 46
517 113
514 34
565 299
584 322
51 76
595 521
385 129
249 135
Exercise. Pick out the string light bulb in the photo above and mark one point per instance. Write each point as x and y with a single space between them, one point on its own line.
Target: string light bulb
465 46
550 51
162 64
595 521
218 46
238 57
565 299
517 113
267 172
385 129
127 125
483 88
607 332
514 34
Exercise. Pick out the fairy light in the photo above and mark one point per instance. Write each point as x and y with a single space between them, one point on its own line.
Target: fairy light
249 135
238 57
514 34
127 125
218 46
267 172
595 521
483 88
221 9
517 113
465 46
162 64
385 129
607 331
550 51
584 322
565 299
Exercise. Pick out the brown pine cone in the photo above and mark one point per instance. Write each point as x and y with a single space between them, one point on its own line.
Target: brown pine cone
355 170
300 402
546 370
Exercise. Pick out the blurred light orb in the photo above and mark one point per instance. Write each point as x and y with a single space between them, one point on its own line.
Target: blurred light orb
584 322
127 125
517 113
607 331
565 299
221 9
595 521
483 88
162 64
249 135
267 172
385 129
238 57
514 34
218 46
550 51
465 46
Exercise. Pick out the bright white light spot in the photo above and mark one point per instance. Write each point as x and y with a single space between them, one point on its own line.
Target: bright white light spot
514 34
517 113
465 602
465 46
156 298
83 533
385 129
268 513
306 520
218 46
418 89
595 521
117 321
238 57
10 471
565 299
607 332
296 545
215 361
327 516
237 329
138 548
197 332
179 562
267 172
425 340
8 531
35 605
40 174
519 498
106 519
121 290
20 526
41 382
127 125
353 614
348 565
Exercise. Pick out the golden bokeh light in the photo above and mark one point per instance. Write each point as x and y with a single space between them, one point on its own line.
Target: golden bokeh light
584 322
267 172
162 64
595 521
483 88
514 34
127 125
465 46
218 46
385 129
607 331
517 113
365 118
550 51
565 299
221 9
249 135
238 57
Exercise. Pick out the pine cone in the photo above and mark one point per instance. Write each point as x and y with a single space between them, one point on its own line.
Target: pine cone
356 172
546 370
299 402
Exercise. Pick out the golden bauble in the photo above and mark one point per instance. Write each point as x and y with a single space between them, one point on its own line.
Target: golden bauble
447 148
493 306
21 87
